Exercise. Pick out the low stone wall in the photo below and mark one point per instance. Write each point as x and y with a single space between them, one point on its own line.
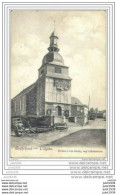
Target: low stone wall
58 119
81 120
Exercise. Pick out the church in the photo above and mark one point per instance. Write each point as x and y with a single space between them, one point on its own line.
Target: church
50 95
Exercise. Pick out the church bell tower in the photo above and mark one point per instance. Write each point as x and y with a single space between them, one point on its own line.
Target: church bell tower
53 43
54 83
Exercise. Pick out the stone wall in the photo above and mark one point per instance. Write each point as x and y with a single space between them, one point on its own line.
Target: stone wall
18 106
41 96
50 108
78 110
73 110
52 94
51 69
31 102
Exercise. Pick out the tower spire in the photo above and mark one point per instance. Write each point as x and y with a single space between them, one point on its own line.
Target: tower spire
54 25
53 41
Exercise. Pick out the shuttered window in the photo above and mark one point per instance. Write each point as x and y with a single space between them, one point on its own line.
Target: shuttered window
57 69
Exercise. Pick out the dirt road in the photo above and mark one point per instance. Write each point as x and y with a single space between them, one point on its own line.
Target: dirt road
40 139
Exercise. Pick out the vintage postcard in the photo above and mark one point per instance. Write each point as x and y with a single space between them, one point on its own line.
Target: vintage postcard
58 103
58 83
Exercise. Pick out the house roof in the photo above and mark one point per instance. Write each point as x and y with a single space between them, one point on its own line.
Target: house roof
75 101
26 90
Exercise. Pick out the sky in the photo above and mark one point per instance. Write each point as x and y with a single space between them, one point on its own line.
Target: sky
82 43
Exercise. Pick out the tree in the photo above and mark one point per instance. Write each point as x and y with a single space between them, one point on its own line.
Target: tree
96 110
92 110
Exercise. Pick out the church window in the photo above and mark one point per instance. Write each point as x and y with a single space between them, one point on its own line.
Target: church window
57 69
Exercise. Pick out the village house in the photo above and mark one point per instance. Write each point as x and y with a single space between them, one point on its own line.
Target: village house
79 111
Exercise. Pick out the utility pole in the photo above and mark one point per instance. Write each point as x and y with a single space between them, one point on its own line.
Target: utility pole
89 102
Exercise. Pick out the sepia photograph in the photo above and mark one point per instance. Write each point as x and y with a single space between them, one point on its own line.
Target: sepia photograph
58 76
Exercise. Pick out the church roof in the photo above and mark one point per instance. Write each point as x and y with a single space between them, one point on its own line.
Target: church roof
26 90
75 101
54 34
53 58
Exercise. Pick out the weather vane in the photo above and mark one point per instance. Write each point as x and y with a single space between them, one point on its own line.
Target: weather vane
54 25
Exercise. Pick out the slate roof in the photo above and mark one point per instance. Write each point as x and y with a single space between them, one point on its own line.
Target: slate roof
75 101
26 90
53 58
54 34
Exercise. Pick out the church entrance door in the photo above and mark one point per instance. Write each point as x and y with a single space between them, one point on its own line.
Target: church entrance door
58 111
